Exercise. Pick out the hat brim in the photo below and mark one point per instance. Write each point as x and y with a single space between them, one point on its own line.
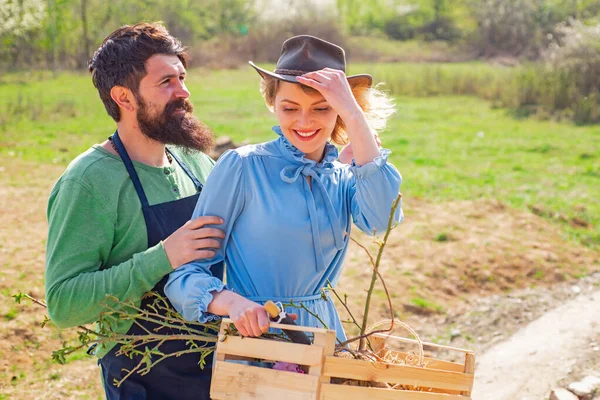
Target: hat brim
358 80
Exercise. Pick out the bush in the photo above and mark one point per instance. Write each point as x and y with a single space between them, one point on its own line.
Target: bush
399 28
576 52
418 22
518 27
443 28
567 82
263 41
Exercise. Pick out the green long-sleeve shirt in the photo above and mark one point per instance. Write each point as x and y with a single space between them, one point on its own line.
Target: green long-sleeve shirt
97 240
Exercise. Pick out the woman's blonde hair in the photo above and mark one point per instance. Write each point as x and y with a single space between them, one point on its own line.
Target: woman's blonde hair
376 105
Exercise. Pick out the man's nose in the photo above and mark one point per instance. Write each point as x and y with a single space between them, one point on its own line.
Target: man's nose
182 91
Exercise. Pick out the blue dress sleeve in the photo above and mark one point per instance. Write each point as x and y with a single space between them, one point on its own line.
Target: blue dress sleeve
373 188
190 286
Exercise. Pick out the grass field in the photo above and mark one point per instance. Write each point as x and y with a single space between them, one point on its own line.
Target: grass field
492 202
446 147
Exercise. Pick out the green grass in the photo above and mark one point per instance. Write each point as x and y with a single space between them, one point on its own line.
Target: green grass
386 50
426 304
432 79
446 147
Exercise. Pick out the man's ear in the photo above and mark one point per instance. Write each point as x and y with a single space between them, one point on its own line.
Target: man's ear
123 97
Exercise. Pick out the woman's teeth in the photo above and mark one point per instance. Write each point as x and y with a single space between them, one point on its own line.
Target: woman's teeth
306 133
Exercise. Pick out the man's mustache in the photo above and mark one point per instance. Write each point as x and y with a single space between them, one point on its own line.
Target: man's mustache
179 104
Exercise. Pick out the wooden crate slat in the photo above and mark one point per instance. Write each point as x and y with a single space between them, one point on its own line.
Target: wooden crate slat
271 350
469 369
406 375
235 381
345 392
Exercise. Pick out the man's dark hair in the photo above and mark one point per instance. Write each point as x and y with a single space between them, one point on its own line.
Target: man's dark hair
121 59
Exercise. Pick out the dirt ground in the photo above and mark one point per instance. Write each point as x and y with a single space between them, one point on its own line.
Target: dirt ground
468 273
528 365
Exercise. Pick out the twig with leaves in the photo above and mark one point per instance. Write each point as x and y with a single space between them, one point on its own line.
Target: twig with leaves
200 337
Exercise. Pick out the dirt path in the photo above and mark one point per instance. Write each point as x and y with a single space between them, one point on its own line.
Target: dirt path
537 357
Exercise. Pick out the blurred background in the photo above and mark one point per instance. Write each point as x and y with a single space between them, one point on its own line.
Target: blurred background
496 134
556 39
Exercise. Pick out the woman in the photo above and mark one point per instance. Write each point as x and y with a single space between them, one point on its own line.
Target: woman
288 204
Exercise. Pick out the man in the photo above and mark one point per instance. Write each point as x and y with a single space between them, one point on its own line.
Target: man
119 215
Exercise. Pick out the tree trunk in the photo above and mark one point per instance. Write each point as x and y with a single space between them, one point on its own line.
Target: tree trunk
52 14
86 42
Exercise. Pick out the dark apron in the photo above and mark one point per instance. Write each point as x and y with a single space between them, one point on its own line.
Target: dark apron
180 377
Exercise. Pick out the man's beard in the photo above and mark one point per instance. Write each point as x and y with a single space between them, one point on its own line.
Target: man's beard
179 130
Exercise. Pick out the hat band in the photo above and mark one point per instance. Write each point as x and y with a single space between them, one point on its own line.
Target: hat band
293 72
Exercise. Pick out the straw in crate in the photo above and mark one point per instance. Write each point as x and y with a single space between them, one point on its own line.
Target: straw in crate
398 375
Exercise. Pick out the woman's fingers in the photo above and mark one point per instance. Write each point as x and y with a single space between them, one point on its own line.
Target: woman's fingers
252 322
319 76
263 321
240 324
255 323
308 82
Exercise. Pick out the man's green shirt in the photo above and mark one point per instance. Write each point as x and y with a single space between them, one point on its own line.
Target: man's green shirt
97 240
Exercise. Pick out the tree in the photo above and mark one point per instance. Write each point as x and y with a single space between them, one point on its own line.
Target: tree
21 20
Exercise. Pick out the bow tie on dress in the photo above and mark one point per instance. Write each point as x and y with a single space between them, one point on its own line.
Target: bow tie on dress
300 165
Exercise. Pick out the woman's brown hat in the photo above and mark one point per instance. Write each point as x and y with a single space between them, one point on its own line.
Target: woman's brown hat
302 54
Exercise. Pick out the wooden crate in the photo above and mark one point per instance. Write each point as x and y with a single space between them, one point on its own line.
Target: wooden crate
446 380
237 381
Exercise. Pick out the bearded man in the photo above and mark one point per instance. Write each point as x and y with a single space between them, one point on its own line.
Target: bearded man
119 216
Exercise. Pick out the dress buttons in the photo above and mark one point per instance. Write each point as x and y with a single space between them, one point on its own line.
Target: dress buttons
176 189
167 171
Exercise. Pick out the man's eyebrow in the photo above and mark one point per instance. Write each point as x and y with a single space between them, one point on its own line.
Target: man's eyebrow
170 76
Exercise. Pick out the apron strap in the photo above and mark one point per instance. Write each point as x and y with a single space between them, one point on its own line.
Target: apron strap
187 170
130 169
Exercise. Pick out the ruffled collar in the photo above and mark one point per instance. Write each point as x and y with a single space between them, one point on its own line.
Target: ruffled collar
297 157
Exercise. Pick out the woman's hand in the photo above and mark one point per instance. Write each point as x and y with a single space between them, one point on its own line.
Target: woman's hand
334 87
250 318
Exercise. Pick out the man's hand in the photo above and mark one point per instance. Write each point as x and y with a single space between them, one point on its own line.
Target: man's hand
193 241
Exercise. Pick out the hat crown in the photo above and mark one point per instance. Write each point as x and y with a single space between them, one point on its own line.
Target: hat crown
301 54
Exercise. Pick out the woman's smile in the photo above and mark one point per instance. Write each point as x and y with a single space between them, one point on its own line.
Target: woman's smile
306 135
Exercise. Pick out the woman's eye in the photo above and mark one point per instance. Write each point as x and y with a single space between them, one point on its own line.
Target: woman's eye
322 109
288 109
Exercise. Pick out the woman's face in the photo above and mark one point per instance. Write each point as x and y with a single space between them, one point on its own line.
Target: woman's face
306 119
